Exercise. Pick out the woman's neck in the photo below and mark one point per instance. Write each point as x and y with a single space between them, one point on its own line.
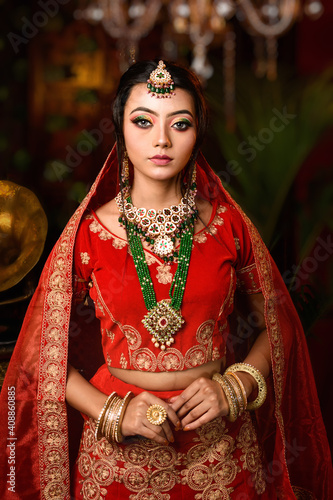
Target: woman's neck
157 195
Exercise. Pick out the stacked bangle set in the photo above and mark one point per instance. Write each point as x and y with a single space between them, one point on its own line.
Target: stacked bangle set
234 389
111 417
109 422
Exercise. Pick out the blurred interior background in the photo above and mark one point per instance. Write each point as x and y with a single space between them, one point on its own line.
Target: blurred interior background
267 68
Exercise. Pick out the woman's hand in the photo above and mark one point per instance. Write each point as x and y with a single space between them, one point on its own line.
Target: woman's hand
202 401
135 420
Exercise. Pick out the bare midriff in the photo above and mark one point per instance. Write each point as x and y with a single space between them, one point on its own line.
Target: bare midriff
168 381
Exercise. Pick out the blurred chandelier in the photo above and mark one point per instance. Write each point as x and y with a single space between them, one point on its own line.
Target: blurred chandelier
202 21
201 24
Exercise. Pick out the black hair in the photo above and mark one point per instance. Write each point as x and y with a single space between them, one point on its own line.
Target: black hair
183 78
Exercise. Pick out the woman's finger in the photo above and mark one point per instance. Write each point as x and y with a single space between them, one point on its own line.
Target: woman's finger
186 395
136 420
189 405
188 424
157 435
203 386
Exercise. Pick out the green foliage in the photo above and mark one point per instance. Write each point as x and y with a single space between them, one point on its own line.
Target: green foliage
277 125
268 150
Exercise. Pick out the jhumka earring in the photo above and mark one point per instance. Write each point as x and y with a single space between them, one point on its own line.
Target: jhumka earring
190 183
160 83
125 170
193 182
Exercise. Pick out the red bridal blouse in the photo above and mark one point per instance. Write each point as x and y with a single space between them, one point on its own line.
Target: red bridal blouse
221 260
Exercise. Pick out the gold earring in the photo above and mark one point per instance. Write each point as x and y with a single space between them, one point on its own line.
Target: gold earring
193 182
125 170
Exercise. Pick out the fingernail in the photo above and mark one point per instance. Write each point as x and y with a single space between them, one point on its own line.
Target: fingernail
172 439
178 426
166 442
186 428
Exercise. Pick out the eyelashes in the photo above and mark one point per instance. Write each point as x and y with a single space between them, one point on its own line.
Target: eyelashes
182 124
145 121
142 121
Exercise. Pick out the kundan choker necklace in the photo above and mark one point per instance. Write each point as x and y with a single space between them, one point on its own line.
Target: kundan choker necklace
159 228
163 319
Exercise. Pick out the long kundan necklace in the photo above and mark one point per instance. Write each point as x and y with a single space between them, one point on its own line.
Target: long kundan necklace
163 318
160 229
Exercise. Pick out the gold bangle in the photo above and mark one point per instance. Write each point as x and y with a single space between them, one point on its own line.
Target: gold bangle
232 415
241 389
110 418
120 416
237 392
232 394
100 420
104 427
112 435
259 378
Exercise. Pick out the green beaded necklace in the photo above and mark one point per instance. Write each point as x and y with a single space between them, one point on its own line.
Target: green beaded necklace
163 319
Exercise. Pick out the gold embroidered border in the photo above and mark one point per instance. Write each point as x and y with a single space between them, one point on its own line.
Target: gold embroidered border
51 407
274 332
52 416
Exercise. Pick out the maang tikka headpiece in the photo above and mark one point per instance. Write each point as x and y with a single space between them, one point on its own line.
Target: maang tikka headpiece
160 83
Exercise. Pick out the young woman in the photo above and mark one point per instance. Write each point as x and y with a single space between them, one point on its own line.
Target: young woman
197 393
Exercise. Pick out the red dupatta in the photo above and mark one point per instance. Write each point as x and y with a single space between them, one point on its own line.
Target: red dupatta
36 461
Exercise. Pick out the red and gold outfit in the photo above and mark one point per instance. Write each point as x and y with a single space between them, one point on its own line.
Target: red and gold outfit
280 451
105 268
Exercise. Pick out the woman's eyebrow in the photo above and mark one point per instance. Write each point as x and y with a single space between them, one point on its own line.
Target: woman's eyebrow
147 110
181 112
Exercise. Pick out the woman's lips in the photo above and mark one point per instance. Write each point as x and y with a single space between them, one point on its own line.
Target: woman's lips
161 159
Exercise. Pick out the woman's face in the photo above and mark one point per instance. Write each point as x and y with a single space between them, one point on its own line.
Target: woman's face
159 133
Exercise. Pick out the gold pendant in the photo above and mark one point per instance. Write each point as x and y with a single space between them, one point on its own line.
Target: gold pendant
162 322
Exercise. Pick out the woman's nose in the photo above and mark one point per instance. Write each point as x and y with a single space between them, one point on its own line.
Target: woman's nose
162 138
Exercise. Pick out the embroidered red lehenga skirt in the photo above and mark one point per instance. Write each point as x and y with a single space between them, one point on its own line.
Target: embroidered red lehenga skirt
220 460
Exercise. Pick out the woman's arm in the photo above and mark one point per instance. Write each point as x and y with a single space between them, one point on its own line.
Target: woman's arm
203 400
82 395
259 355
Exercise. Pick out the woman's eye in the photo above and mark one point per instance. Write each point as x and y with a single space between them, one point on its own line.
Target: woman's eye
142 122
182 125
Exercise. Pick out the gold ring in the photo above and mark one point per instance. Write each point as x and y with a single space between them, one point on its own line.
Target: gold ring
156 414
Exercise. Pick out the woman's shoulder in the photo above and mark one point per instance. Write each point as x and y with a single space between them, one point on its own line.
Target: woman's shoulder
108 216
108 210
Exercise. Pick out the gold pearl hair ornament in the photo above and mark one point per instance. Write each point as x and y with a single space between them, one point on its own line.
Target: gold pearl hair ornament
156 414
